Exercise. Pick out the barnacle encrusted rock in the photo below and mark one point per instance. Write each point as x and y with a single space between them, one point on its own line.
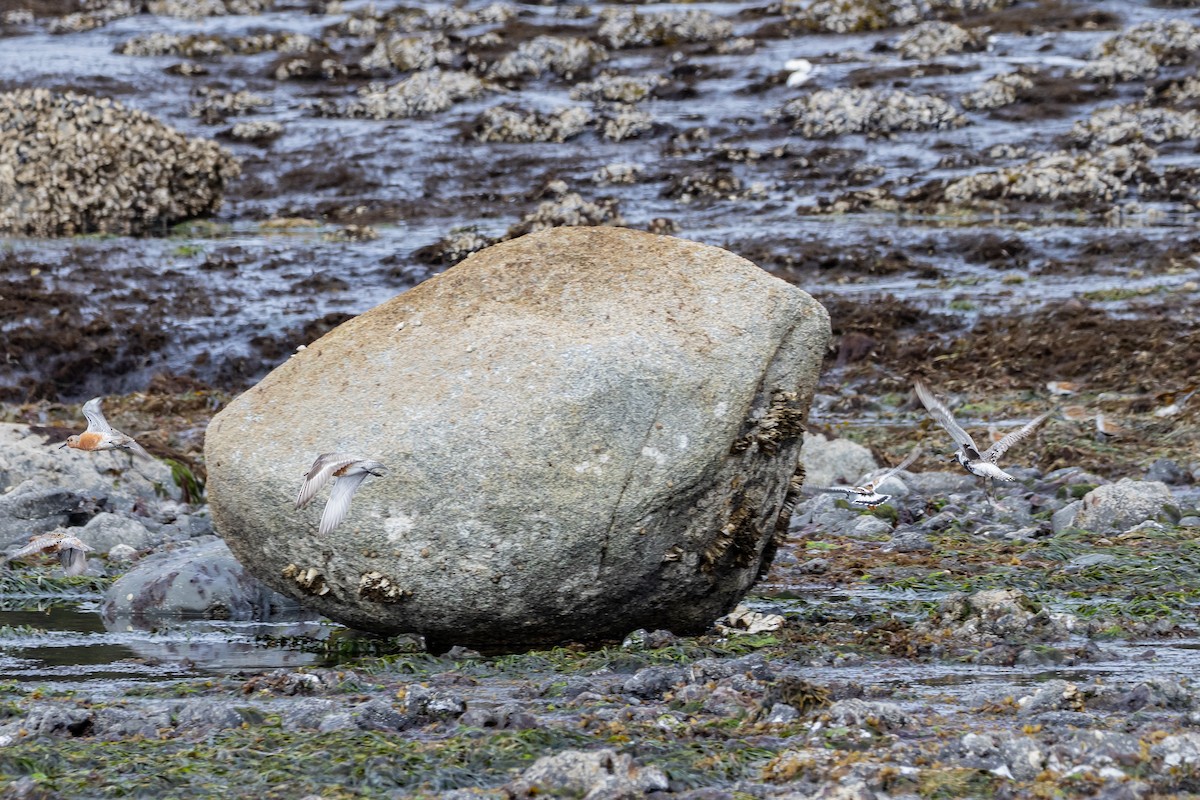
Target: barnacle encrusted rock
997 92
1139 51
1083 176
565 56
935 38
854 16
72 163
833 112
588 431
506 123
1135 123
426 92
625 27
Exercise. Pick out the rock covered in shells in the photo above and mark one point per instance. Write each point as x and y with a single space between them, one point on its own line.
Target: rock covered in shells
172 44
72 163
570 210
625 122
1135 123
426 92
856 16
196 9
619 173
565 56
411 52
1064 175
507 123
1139 51
833 112
935 38
997 92
624 27
215 107
626 89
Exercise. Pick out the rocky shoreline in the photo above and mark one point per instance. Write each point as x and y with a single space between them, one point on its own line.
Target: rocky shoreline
938 646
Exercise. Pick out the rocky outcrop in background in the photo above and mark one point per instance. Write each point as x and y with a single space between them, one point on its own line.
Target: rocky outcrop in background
71 164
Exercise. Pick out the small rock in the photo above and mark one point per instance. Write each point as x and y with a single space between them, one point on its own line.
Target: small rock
855 713
106 530
1165 470
908 542
1121 505
1065 517
592 774
869 527
834 461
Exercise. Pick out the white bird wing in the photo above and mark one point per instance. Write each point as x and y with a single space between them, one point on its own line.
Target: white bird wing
319 474
943 417
338 504
95 417
73 560
908 459
132 446
1001 447
37 544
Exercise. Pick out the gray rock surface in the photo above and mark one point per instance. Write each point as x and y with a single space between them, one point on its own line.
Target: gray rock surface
589 430
28 460
105 531
590 774
202 580
834 461
1121 505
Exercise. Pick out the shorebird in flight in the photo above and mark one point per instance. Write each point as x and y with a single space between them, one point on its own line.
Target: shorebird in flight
982 464
100 435
72 553
865 496
350 471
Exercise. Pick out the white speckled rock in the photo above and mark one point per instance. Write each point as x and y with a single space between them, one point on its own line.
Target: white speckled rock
1120 505
588 431
834 461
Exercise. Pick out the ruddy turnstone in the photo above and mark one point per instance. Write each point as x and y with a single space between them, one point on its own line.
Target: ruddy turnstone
982 464
100 435
350 471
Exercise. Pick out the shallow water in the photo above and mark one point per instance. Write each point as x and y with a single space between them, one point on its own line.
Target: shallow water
233 303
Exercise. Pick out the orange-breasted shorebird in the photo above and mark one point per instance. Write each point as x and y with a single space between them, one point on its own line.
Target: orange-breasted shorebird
865 496
72 553
350 472
100 435
1107 428
968 454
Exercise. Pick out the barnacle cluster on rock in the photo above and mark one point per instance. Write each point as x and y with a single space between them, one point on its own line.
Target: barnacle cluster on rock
72 163
258 131
622 122
507 123
411 51
935 38
214 107
1078 176
1139 51
426 92
627 89
625 27
856 16
568 209
368 21
565 56
1135 123
618 173
997 92
833 112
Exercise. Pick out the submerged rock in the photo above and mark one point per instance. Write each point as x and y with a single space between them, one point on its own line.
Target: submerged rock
589 430
71 163
204 580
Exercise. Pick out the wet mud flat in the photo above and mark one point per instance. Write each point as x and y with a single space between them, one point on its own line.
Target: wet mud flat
1042 230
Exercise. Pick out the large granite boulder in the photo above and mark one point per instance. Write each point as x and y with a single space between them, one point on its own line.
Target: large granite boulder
587 431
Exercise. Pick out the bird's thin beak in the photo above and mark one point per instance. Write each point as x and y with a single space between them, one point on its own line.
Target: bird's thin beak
61 446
